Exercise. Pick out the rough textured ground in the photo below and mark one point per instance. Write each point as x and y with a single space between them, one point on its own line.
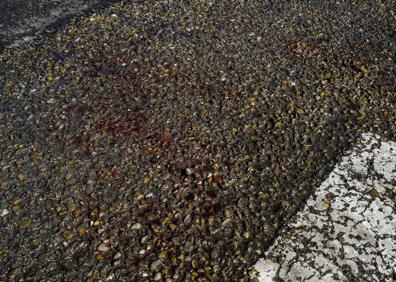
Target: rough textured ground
347 230
170 141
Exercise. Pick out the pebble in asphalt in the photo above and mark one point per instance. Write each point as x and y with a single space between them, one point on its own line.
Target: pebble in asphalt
170 141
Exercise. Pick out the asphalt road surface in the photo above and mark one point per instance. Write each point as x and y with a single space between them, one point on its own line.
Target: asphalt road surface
171 140
22 20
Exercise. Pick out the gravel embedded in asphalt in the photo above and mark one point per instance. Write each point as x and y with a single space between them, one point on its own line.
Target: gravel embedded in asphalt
170 141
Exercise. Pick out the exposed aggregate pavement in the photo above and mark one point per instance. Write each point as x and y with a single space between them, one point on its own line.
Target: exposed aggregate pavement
169 141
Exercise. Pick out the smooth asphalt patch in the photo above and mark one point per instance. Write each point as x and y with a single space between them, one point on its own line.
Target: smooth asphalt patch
22 20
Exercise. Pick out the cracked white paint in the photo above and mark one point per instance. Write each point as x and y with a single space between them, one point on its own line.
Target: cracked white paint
347 230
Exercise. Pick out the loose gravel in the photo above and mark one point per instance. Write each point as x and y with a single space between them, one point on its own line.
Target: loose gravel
169 141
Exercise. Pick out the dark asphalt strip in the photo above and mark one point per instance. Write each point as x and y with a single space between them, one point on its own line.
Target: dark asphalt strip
22 20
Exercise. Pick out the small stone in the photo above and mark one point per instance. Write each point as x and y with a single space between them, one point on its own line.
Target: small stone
155 265
95 223
252 100
158 276
146 180
117 256
4 212
144 240
24 223
99 257
216 178
103 248
15 201
374 193
327 75
71 207
16 209
165 71
226 221
364 70
327 200
278 125
142 252
136 226
214 254
13 273
188 247
67 235
22 176
187 219
81 229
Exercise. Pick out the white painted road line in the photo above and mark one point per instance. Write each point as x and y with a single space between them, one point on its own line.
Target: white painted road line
347 230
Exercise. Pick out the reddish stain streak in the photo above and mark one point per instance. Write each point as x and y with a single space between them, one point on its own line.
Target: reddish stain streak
79 139
231 91
109 67
297 48
216 178
122 125
211 209
119 120
77 111
211 194
82 142
84 151
189 197
152 212
164 139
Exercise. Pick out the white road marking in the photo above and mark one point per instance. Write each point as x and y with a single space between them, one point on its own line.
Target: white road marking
347 230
